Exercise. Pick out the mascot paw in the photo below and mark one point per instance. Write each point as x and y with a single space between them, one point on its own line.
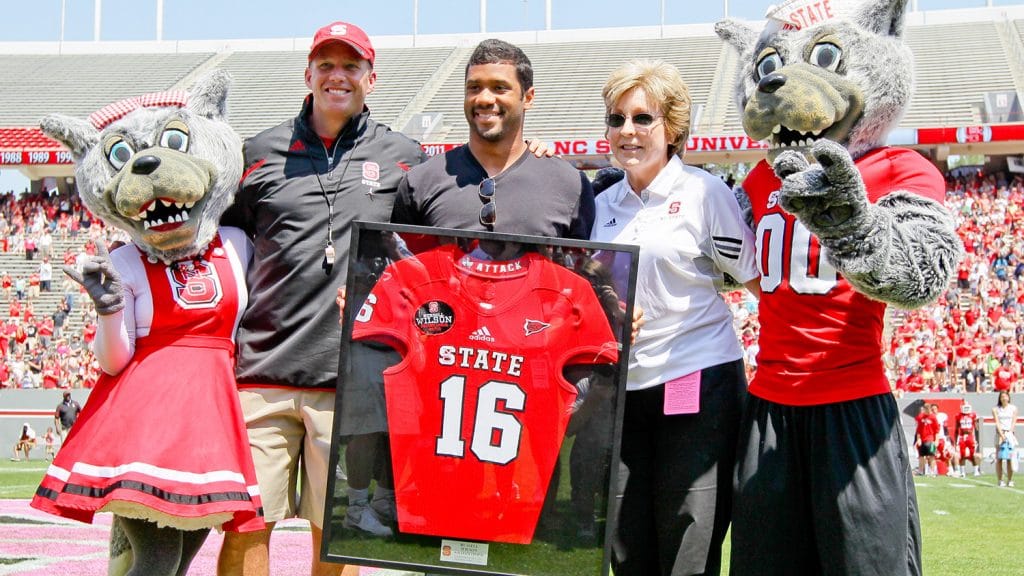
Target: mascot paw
101 281
824 196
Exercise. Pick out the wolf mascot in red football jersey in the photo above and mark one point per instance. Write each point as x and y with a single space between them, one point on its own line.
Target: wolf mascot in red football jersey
845 226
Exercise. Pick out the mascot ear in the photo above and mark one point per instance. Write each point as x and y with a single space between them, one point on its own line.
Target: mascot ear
740 36
77 135
883 17
209 95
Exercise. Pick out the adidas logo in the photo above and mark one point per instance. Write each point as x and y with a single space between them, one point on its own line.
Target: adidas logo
482 334
611 223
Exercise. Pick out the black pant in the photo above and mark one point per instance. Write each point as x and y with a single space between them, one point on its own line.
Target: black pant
675 478
824 490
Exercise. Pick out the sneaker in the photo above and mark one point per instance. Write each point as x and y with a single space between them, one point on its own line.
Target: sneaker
586 528
385 509
361 517
977 472
1010 483
1002 484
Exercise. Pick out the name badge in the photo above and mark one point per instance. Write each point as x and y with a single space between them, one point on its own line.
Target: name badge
682 395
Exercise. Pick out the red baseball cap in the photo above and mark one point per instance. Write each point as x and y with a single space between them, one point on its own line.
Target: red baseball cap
343 32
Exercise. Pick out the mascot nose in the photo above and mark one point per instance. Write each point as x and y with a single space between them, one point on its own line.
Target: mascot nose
772 82
145 165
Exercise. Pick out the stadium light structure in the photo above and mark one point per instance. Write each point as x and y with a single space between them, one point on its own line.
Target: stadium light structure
159 20
662 32
63 6
97 16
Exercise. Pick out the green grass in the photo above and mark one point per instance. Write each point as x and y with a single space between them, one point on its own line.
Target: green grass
20 479
969 526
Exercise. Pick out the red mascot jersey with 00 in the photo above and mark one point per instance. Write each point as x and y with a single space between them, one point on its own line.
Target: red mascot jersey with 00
822 341
478 406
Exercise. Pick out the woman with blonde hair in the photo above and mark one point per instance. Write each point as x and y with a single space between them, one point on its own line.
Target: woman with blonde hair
686 379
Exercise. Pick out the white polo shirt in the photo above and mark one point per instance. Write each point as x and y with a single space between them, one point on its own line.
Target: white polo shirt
689 230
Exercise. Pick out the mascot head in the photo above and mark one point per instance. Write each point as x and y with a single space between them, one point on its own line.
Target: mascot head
822 70
163 167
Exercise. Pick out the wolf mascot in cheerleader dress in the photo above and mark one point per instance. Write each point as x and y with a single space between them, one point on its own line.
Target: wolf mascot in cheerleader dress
845 226
161 443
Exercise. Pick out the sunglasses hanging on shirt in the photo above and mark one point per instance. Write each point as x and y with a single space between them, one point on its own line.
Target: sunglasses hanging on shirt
489 211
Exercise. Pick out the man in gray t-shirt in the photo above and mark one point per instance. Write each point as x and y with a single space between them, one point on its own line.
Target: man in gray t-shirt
493 183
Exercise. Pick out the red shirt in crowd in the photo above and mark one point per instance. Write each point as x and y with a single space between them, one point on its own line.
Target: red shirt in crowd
1004 378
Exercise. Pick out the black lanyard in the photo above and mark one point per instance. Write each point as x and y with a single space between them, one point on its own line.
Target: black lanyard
329 253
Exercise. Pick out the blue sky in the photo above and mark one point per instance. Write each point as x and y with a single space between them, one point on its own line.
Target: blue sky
39 20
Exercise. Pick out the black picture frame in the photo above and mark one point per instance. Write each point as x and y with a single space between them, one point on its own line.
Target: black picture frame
561 543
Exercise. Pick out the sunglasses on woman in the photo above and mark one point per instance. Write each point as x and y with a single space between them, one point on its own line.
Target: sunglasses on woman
615 120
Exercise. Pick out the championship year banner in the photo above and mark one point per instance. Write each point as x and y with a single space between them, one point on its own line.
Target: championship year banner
479 402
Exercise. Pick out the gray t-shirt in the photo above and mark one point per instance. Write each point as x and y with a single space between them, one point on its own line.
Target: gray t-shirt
535 196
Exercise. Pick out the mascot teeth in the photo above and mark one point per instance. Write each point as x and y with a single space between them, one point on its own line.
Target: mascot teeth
783 137
161 212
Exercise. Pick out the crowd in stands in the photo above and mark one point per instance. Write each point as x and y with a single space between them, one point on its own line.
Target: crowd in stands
971 340
45 341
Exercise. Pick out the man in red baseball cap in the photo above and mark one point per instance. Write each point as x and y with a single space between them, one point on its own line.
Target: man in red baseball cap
304 181
340 75
343 32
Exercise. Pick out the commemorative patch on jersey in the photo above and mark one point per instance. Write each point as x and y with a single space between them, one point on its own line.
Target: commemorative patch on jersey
434 317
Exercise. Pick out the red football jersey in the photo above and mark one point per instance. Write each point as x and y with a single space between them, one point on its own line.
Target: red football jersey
821 341
478 406
965 424
965 430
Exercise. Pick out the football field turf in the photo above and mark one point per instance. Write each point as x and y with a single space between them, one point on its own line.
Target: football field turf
970 526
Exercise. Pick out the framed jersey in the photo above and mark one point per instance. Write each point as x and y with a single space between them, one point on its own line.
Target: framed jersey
479 402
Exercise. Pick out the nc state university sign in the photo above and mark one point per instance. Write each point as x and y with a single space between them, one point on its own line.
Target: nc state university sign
601 147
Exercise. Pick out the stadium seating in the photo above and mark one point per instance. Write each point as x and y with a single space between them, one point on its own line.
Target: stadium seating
32 86
952 78
269 86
